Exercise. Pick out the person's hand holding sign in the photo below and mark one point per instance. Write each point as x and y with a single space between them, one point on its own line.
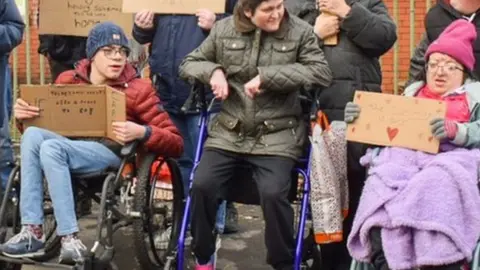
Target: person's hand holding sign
144 19
336 7
22 110
128 131
206 18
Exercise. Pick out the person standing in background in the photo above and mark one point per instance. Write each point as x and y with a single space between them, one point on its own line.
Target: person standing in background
364 32
11 35
62 52
171 38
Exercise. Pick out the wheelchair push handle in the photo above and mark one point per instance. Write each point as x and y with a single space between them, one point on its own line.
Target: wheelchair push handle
196 101
129 148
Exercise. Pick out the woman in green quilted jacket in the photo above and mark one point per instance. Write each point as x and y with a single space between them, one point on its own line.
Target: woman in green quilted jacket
255 61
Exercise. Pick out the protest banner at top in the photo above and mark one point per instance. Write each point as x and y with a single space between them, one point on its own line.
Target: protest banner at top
77 17
173 6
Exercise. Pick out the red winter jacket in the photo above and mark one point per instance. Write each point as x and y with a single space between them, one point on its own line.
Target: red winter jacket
143 107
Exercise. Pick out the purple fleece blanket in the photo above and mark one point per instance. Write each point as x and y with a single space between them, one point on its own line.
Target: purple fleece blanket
428 207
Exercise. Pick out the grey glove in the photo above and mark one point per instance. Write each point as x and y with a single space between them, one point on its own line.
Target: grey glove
352 111
444 129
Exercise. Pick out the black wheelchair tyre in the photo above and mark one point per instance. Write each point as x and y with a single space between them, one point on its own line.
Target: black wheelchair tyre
146 254
53 242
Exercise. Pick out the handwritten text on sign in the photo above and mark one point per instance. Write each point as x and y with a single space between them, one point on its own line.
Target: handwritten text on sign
389 120
174 6
77 17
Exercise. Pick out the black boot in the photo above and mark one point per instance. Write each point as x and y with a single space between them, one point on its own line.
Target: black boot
378 259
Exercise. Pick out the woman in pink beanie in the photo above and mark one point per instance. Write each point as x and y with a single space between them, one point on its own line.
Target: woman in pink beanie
421 210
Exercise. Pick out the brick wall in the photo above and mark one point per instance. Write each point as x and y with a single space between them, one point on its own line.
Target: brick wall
403 24
403 43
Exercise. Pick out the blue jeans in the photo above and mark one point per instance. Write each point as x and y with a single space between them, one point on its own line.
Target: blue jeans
43 152
188 126
6 150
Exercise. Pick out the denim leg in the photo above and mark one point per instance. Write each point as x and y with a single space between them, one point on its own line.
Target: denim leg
221 215
60 157
31 191
185 162
6 150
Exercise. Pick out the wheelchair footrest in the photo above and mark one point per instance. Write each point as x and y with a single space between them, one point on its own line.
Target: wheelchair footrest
29 261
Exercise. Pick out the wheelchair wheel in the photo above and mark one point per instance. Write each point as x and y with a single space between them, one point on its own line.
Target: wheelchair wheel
312 257
161 208
52 241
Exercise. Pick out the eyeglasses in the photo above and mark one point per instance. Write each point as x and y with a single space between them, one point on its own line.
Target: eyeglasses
111 52
448 68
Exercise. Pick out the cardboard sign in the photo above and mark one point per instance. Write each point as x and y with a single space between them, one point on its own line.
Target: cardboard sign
77 17
330 40
173 6
390 120
76 110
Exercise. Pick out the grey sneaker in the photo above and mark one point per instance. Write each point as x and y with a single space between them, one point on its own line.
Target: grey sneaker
73 251
24 245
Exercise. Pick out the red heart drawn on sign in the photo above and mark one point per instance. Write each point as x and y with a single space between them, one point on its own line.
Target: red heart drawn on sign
392 133
353 129
430 139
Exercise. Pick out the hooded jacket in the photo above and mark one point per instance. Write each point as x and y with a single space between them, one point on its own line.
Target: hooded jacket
143 107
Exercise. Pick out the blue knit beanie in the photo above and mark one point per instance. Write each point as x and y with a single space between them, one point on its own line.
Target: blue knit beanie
105 34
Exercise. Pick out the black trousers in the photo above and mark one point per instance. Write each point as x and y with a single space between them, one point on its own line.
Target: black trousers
272 175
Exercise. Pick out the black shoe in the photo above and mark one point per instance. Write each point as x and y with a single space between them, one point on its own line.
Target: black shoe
231 219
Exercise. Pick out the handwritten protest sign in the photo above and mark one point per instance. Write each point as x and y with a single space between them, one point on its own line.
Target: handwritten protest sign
77 17
389 120
173 6
75 111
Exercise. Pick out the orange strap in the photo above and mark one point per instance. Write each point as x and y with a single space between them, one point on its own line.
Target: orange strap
321 120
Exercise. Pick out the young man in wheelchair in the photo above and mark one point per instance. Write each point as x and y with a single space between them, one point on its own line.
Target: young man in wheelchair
44 153
256 61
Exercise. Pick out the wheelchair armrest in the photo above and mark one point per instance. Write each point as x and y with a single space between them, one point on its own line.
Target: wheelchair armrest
129 148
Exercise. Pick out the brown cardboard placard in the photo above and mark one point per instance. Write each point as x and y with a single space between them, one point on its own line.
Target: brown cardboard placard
77 17
173 6
116 109
390 120
75 110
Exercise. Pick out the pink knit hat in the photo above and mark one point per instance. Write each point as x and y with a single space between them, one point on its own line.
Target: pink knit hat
457 42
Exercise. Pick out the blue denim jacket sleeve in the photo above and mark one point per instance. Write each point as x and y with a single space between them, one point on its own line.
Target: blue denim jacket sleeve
11 26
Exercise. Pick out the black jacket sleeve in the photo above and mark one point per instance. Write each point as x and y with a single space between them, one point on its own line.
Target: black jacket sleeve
11 26
371 28
417 63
